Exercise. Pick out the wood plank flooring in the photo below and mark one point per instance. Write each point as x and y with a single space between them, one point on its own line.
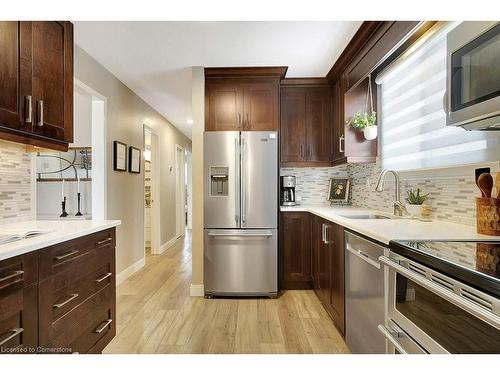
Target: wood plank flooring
156 315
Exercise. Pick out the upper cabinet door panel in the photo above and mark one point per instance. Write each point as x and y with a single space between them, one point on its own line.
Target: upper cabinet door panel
261 106
293 125
10 75
224 106
319 133
51 67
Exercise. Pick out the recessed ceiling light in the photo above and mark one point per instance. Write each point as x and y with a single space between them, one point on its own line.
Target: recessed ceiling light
189 121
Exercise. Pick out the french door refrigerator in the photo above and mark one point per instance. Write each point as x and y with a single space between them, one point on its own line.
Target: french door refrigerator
241 213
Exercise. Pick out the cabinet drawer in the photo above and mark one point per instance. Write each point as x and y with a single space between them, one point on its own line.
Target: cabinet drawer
18 320
97 334
65 331
63 291
18 272
74 254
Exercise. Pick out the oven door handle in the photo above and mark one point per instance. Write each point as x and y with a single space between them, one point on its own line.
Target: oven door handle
434 287
390 337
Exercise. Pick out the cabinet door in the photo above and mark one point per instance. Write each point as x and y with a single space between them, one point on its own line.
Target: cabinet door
53 79
15 62
295 250
338 127
335 235
293 125
224 106
318 125
261 106
324 266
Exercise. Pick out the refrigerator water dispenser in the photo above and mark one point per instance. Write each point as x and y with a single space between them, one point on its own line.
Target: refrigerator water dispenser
219 177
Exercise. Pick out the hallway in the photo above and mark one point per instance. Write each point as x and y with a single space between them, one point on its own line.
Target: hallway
156 315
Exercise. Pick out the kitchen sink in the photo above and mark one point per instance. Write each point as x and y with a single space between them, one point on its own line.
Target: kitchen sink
366 216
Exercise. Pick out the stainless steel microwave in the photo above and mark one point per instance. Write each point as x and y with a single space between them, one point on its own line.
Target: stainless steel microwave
473 76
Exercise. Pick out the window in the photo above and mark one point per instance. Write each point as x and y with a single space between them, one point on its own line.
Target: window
414 134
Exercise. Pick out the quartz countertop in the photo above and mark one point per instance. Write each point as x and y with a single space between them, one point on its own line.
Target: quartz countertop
396 228
62 230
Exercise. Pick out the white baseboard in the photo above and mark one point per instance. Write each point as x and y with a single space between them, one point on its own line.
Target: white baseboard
197 290
129 271
168 244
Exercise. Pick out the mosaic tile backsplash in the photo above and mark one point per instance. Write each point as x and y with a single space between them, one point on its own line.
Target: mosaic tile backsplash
451 198
15 183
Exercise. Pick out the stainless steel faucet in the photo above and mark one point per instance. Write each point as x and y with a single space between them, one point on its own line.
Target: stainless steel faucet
399 207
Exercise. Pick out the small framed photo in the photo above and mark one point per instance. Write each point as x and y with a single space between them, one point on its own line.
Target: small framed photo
134 159
119 156
339 189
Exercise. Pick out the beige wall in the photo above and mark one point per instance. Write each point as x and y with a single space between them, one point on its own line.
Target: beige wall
126 115
198 108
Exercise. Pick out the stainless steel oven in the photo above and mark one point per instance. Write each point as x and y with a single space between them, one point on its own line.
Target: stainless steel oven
473 75
429 312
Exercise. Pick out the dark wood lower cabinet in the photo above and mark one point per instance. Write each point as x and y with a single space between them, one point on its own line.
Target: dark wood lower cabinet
61 299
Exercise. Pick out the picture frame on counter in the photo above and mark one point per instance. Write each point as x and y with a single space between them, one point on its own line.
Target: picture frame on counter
134 159
338 190
119 156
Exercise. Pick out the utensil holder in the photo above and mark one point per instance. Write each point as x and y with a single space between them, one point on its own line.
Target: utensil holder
488 216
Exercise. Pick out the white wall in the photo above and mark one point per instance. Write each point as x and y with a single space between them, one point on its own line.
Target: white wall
82 119
48 198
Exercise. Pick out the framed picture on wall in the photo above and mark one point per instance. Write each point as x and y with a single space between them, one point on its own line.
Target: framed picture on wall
339 190
119 156
134 160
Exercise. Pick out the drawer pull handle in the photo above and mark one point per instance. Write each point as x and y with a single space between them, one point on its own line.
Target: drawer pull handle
13 333
68 300
11 276
102 242
67 255
103 278
103 326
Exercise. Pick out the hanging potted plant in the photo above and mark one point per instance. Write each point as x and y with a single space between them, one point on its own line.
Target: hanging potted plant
366 121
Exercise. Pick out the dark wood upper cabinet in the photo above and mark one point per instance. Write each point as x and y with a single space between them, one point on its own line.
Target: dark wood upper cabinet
295 250
242 98
36 75
305 124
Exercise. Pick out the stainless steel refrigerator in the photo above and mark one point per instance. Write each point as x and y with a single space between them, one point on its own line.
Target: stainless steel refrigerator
241 213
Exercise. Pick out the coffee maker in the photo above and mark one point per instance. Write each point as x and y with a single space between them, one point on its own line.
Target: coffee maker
287 195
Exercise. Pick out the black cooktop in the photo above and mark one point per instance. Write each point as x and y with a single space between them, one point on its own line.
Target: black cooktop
474 263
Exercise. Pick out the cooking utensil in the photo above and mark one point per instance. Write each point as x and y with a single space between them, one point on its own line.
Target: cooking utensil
479 172
485 183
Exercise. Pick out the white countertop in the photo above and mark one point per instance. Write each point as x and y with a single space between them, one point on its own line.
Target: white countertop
63 230
385 230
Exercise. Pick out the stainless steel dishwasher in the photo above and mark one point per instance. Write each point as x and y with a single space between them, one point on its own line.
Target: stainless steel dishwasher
364 295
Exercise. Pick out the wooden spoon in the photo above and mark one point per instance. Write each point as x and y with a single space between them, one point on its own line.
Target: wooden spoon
485 183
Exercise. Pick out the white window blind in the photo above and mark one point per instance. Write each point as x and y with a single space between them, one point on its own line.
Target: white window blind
414 134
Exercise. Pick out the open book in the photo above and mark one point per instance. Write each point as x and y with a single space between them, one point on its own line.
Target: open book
10 236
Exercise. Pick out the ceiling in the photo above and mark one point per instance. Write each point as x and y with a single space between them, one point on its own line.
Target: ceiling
154 59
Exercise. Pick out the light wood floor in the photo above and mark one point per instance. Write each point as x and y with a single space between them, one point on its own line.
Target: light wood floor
156 315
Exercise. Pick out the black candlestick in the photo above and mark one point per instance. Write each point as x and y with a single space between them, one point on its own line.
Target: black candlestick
63 206
78 197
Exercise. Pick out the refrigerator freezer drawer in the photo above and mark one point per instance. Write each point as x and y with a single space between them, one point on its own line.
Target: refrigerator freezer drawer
241 262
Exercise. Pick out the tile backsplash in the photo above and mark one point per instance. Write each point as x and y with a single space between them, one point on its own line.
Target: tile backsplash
15 183
451 198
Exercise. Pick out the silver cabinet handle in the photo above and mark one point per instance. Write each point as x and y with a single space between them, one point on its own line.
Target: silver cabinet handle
29 109
471 307
11 276
66 301
341 139
363 256
102 242
40 113
12 333
323 232
67 255
103 326
100 280
327 241
389 336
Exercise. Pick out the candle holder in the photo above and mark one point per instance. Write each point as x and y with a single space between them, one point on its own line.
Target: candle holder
63 207
78 195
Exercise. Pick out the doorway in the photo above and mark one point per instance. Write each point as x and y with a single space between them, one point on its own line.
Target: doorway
180 191
151 193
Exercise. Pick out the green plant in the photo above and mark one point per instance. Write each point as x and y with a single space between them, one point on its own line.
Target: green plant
362 120
414 197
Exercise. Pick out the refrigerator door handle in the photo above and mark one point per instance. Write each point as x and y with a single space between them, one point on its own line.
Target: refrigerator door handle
241 234
243 182
236 179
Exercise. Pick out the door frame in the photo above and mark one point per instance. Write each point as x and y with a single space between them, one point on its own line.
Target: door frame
189 192
155 188
180 225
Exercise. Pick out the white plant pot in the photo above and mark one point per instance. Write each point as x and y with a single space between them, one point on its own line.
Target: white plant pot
414 209
370 132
